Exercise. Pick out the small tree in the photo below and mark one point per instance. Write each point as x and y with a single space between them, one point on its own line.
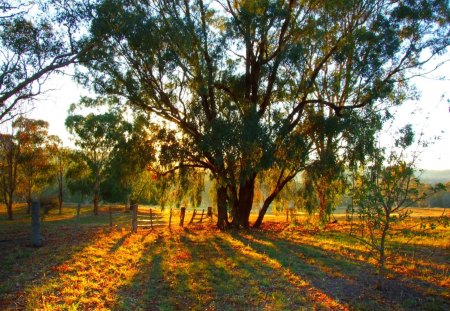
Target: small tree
382 193
60 157
34 163
9 156
78 176
98 137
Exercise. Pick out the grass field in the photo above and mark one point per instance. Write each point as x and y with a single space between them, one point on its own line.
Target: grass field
86 265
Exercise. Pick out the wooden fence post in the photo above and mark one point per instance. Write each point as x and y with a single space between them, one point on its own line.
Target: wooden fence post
287 215
209 214
134 209
182 214
151 219
170 218
36 238
201 218
110 216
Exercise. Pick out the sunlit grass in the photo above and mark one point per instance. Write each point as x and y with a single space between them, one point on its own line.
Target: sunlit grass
85 264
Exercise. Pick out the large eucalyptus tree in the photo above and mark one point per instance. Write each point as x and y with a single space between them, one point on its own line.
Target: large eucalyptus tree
239 79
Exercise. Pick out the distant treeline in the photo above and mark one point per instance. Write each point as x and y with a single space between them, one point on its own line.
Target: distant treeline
440 199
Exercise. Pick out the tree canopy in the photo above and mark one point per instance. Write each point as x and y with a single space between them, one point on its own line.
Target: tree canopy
98 137
37 38
241 79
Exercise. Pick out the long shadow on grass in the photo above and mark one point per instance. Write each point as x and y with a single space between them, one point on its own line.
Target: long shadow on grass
223 278
148 282
198 272
336 276
328 273
119 243
154 287
23 265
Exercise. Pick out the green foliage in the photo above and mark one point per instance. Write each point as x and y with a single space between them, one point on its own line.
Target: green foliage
382 193
246 87
9 159
99 138
78 176
37 39
127 170
35 168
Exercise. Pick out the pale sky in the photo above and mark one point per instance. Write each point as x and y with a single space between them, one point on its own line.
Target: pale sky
430 114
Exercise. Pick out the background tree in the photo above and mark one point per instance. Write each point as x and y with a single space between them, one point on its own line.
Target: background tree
196 186
60 157
34 162
237 82
441 198
127 171
9 160
98 137
37 39
78 175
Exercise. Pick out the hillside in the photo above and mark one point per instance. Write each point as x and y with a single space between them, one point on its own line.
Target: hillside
435 176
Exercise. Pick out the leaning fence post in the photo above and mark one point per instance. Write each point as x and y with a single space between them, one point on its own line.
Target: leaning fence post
170 218
201 218
134 209
193 216
182 214
36 225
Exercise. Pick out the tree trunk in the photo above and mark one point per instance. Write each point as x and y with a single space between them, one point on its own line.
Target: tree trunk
29 198
264 209
245 203
29 201
280 185
96 197
60 184
322 208
8 200
382 258
29 205
222 213
60 206
60 194
9 209
381 264
96 200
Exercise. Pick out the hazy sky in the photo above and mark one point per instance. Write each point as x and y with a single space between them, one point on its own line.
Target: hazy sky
430 114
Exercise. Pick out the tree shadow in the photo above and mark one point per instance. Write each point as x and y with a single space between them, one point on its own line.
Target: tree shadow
119 243
199 272
348 281
24 266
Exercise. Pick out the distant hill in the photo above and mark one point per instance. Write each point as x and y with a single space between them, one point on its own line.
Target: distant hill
432 176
